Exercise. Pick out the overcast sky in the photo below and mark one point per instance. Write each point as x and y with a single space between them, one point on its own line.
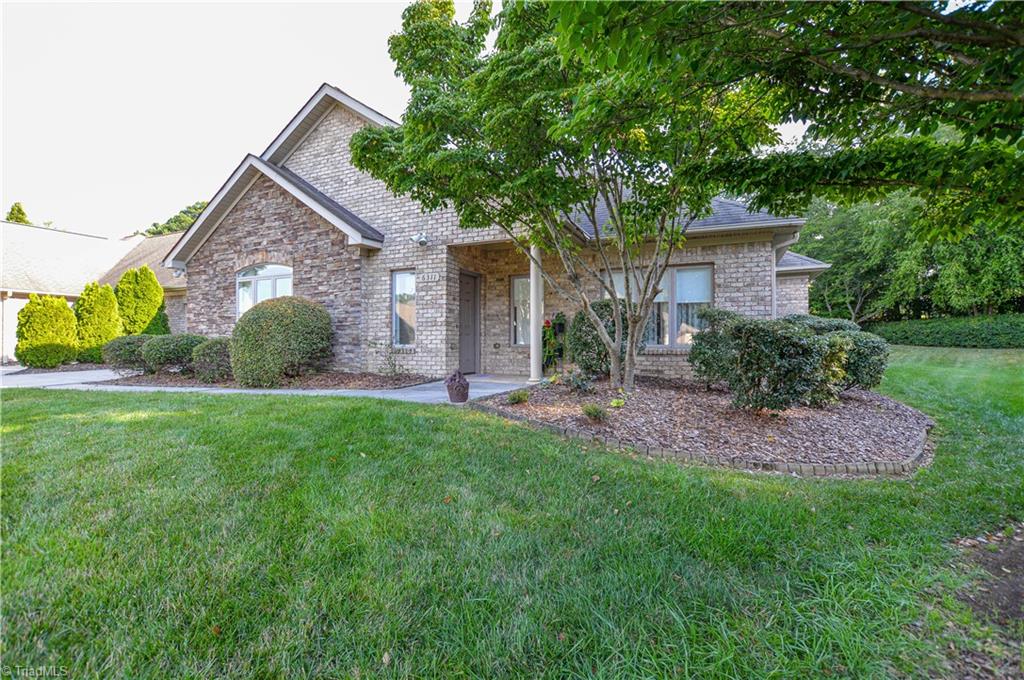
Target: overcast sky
116 116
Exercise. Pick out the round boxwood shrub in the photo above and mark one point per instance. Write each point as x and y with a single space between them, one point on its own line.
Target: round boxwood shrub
711 352
585 346
125 353
279 338
170 352
866 360
820 324
211 360
98 321
778 364
47 332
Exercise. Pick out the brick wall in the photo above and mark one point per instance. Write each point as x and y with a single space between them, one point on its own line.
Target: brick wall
175 306
791 292
268 225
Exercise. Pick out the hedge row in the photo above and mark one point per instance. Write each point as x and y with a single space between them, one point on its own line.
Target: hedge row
998 331
774 365
276 339
49 333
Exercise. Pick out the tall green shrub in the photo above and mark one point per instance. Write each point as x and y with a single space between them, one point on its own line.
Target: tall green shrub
997 331
821 324
139 299
279 338
99 321
160 325
711 352
586 348
47 332
777 364
866 360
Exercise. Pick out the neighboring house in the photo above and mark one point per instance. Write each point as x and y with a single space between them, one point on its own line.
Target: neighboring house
414 289
150 252
48 262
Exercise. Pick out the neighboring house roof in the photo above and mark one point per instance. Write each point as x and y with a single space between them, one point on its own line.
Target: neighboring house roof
54 262
248 171
726 215
322 101
795 263
150 252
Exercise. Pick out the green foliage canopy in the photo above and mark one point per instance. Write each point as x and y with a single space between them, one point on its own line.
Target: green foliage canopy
99 321
875 81
140 298
179 222
47 334
17 214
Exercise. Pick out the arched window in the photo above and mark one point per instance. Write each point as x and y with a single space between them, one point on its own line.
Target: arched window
262 282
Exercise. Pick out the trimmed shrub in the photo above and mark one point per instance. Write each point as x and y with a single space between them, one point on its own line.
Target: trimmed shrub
711 352
820 324
139 299
279 338
47 332
99 322
586 348
211 360
866 359
125 353
997 331
777 364
170 352
830 376
160 324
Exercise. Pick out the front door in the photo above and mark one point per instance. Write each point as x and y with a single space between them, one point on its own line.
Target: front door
469 323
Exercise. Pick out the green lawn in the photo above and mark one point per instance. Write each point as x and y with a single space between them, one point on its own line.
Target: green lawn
187 535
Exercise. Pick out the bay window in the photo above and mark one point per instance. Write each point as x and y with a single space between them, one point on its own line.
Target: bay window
261 282
403 308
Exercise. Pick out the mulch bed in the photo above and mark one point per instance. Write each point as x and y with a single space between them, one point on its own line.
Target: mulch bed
682 415
330 380
61 369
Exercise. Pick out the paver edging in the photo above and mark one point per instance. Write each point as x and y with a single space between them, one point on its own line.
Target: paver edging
867 468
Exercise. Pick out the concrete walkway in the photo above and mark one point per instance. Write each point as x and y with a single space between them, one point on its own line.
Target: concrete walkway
427 393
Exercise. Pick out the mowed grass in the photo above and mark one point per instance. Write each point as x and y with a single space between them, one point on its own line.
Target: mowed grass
174 535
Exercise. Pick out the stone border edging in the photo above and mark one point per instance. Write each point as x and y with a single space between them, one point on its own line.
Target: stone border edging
903 467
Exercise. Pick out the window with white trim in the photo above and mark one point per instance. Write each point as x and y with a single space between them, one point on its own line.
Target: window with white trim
684 291
403 308
261 282
520 310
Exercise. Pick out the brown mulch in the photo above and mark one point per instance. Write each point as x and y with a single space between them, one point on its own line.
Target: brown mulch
682 415
329 380
60 369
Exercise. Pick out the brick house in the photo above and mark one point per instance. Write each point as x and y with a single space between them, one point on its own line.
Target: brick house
414 289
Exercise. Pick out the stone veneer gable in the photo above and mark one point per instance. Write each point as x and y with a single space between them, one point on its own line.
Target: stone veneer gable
269 225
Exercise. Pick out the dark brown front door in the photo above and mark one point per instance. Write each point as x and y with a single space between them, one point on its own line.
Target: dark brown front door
469 323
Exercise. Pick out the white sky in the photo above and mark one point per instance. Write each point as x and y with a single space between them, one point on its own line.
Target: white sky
119 115
115 116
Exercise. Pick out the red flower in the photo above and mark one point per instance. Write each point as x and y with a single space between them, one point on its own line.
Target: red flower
547 323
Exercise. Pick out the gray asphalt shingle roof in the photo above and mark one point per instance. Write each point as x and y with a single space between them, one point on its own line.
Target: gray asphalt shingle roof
151 252
791 260
726 213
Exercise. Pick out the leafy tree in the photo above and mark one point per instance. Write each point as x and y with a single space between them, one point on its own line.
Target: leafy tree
180 222
46 332
140 298
17 214
99 321
868 77
880 271
518 138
